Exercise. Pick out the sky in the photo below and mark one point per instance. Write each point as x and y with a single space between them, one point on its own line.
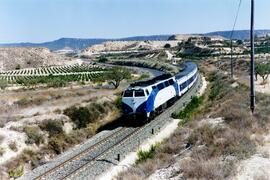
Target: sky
46 20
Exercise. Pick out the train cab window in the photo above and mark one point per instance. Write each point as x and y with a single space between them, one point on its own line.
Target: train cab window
128 93
139 93
166 83
160 86
154 87
147 92
171 82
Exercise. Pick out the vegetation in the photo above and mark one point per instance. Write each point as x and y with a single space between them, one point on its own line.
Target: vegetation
3 84
18 66
34 135
13 146
118 102
167 46
144 155
56 76
16 173
144 76
103 59
53 127
166 67
189 110
2 151
263 70
116 75
82 116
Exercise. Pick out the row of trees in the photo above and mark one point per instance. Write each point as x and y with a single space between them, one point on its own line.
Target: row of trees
113 76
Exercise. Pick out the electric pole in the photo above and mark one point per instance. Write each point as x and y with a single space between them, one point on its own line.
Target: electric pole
252 66
231 58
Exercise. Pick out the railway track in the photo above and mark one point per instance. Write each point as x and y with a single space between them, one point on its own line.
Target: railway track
84 162
81 154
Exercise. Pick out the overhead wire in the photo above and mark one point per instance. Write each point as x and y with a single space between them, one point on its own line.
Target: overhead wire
231 37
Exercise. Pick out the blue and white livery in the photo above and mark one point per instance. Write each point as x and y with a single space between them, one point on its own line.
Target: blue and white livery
150 97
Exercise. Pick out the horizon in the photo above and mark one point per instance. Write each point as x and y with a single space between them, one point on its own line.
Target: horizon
46 20
3 43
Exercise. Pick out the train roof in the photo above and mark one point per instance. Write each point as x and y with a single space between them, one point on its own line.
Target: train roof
189 67
151 81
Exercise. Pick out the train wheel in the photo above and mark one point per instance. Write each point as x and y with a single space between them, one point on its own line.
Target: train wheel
152 115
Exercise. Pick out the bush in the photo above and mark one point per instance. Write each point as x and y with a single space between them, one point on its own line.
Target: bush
144 76
13 146
118 102
3 84
34 135
215 90
18 66
2 151
79 116
53 127
144 155
167 46
16 173
56 144
57 82
189 110
82 116
103 59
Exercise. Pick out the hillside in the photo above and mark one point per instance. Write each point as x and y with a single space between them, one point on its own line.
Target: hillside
240 34
23 57
127 46
79 44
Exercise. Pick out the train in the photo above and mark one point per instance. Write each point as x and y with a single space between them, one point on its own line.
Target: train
147 99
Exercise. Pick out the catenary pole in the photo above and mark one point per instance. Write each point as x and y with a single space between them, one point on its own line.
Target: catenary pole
252 66
231 58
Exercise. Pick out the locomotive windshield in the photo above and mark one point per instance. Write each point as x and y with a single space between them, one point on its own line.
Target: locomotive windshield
128 93
139 93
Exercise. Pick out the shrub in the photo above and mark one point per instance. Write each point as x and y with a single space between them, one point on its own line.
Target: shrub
53 127
56 143
215 90
167 46
13 146
189 110
80 116
16 173
118 102
57 82
144 76
144 155
18 66
2 151
3 84
102 59
34 135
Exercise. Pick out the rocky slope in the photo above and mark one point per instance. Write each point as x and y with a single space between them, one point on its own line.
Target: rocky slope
21 57
127 46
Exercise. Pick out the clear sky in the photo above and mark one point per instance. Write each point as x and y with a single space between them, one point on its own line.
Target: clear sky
45 20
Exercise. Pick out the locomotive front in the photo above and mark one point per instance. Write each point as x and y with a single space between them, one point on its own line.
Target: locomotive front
134 101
